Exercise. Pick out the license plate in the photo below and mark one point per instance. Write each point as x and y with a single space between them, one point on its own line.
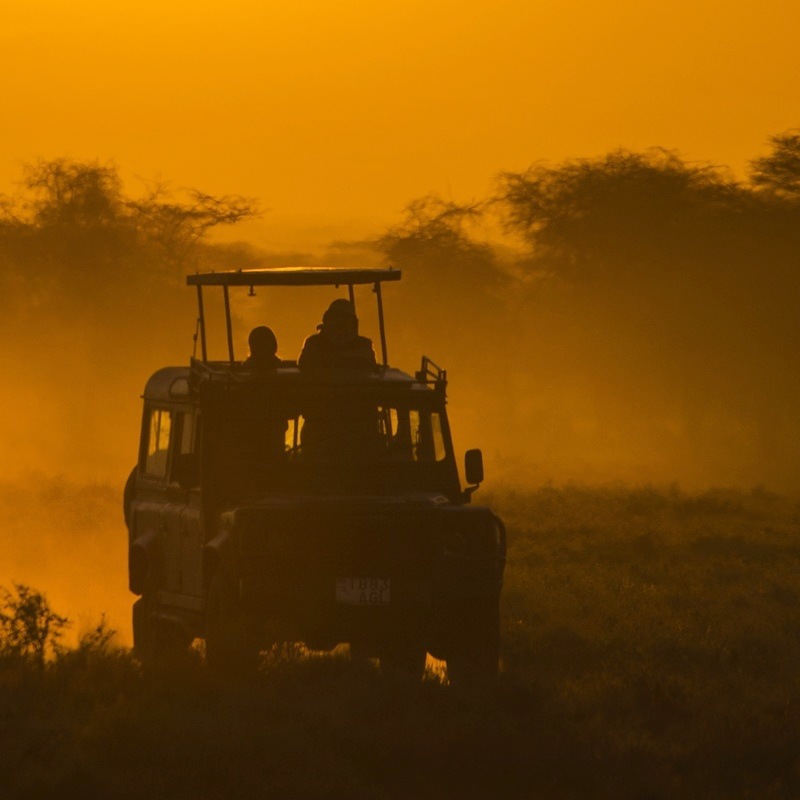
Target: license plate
363 591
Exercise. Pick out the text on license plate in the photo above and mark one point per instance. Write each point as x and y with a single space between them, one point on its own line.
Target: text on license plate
363 591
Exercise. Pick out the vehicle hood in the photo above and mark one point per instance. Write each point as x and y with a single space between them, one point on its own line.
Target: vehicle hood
345 503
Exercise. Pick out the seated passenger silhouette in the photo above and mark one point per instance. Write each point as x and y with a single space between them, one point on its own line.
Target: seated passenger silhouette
340 432
263 349
337 345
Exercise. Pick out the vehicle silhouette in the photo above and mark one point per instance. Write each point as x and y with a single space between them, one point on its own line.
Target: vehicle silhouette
318 505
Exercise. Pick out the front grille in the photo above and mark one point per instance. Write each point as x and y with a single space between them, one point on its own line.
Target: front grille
295 553
337 540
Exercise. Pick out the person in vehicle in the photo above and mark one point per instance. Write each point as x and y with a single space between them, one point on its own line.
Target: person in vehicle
337 345
263 349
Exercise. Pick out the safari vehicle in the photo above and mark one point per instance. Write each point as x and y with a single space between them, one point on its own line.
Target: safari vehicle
318 506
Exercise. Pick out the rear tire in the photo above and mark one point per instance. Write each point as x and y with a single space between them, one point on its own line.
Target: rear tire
474 656
231 646
403 661
142 633
156 642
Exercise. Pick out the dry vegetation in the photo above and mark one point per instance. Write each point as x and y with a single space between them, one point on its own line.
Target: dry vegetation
650 649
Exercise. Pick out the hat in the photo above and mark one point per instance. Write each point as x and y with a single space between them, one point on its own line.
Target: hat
339 309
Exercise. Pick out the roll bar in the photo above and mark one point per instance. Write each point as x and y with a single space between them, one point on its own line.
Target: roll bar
288 276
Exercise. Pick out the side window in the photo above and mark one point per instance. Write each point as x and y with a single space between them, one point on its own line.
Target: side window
187 434
184 469
387 424
158 443
438 437
291 437
426 428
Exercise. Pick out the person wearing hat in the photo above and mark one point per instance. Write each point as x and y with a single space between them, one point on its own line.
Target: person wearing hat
337 345
263 349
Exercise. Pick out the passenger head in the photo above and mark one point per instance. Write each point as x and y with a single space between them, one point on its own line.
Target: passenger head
262 341
339 322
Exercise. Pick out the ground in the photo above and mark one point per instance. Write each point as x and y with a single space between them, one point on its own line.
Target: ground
650 646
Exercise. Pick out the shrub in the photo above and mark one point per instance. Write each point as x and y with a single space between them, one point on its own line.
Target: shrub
29 628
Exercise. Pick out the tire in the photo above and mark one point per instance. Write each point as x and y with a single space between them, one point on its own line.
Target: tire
231 646
142 635
403 661
154 642
360 653
474 655
128 495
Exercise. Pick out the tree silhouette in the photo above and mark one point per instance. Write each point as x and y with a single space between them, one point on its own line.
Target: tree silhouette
621 214
68 193
445 268
92 294
74 240
450 281
780 170
29 628
433 243
675 288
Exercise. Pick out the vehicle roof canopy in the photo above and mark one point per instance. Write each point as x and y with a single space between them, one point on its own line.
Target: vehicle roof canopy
288 276
294 276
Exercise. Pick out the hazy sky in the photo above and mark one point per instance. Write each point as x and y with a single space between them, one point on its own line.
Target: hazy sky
336 114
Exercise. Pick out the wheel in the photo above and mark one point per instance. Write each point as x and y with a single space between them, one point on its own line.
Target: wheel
231 646
403 660
474 655
154 641
360 653
128 495
142 630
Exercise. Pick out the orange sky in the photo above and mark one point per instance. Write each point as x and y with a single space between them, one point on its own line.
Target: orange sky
336 114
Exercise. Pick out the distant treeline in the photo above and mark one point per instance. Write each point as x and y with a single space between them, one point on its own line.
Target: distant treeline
630 314
648 315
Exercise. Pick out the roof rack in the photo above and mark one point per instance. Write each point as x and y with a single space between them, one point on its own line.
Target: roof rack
294 276
431 373
288 276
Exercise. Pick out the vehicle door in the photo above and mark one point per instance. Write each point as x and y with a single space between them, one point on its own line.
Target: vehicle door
176 498
151 509
185 484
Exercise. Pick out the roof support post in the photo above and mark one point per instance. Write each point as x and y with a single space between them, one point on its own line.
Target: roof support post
381 326
352 295
202 320
228 327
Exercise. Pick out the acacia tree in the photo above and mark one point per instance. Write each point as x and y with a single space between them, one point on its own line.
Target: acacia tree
446 270
92 301
687 280
73 194
622 215
74 240
82 196
433 229
453 304
780 170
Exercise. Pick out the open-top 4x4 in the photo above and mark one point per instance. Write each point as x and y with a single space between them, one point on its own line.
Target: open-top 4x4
317 506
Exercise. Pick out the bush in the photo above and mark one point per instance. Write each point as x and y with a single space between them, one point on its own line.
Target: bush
29 629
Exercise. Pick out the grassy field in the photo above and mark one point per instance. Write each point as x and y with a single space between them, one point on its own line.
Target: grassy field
651 645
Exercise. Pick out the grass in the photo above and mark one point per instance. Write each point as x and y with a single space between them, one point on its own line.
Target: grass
651 644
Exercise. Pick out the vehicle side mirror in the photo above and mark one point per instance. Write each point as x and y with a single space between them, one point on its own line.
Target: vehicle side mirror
186 470
473 466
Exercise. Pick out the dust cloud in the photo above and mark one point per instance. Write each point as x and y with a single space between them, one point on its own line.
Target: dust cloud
631 317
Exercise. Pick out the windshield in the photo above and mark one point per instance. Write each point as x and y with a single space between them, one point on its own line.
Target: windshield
330 440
